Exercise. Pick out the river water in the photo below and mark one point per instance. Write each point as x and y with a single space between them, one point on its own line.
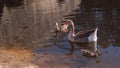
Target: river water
28 24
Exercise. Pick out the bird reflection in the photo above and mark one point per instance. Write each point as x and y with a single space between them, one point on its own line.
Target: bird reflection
89 50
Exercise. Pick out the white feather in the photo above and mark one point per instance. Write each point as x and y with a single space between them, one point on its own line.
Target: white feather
93 36
71 36
57 26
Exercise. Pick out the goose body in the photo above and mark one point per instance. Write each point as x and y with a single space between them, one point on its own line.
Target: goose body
81 36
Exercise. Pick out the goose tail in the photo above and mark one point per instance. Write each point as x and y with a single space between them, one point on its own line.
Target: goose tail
96 29
93 36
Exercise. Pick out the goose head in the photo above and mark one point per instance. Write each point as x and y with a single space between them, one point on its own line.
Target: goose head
65 24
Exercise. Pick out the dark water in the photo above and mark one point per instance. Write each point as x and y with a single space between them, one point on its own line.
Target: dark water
29 23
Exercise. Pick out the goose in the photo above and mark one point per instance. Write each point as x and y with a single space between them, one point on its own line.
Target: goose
83 36
55 29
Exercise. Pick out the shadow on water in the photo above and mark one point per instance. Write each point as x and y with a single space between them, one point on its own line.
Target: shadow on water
10 3
13 3
1 7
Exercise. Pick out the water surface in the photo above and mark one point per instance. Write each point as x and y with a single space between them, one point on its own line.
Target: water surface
29 23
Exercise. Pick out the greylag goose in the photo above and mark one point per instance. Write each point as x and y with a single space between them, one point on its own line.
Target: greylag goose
83 36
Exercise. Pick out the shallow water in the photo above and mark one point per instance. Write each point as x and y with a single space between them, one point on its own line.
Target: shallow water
29 24
58 57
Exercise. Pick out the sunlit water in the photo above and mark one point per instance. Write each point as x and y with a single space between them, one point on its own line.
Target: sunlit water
28 24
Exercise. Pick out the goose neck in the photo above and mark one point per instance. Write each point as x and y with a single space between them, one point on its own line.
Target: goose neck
72 28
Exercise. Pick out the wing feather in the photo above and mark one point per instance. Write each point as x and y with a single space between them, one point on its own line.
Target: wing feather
84 33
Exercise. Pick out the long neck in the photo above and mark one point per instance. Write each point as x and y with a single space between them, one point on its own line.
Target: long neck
71 32
72 28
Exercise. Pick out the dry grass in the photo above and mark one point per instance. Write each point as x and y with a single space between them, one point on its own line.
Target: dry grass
14 57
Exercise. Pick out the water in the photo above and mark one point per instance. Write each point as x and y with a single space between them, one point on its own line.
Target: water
29 23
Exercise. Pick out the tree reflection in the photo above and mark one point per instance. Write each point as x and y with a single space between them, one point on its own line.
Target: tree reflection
31 17
29 21
13 3
10 3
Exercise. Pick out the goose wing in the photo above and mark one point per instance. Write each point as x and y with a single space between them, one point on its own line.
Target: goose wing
84 33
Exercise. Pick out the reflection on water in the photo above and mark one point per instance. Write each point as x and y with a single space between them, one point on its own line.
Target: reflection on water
13 3
29 22
102 14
